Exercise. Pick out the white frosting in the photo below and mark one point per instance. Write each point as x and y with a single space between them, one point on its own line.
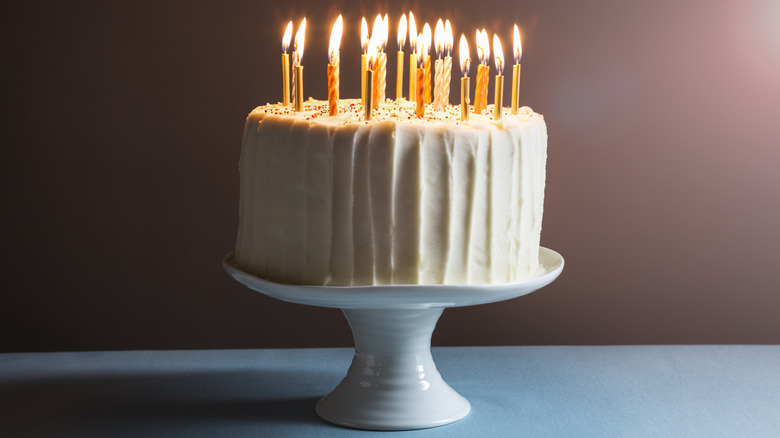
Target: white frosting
395 200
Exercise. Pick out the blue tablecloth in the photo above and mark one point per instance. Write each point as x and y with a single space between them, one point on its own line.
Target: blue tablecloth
623 391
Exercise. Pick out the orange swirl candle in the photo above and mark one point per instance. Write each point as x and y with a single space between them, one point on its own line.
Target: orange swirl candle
420 92
447 78
427 64
333 67
438 42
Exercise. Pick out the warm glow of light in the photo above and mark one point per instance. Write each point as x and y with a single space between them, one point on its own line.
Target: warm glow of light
498 54
287 37
335 40
518 52
300 36
412 33
438 38
364 35
376 33
483 47
402 33
385 32
448 38
465 59
426 39
373 47
421 50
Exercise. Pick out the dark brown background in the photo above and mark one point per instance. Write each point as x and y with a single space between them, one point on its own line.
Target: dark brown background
121 127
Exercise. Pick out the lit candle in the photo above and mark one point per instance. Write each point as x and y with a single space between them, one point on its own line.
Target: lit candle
518 52
382 59
412 58
298 68
465 64
427 62
420 91
483 72
399 77
445 95
370 90
438 39
498 98
363 60
374 47
333 67
286 65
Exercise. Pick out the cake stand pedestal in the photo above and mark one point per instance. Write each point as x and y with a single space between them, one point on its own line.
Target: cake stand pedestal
393 383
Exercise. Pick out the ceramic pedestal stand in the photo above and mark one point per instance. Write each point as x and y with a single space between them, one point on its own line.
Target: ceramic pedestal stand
393 383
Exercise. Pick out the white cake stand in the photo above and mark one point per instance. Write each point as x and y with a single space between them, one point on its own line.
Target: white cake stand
393 383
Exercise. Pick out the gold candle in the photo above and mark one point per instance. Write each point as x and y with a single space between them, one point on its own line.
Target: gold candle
399 78
368 93
412 77
498 107
363 69
515 87
465 64
498 98
300 36
285 79
518 52
298 88
286 65
363 60
464 97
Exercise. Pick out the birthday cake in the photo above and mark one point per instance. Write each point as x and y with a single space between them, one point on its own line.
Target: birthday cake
339 201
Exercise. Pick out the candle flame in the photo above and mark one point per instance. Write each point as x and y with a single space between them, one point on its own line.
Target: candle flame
465 60
484 57
426 39
499 54
402 33
286 38
364 35
420 50
376 33
438 38
299 37
518 46
373 48
448 38
385 32
412 33
335 40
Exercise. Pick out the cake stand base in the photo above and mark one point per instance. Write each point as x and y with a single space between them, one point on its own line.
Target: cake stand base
393 383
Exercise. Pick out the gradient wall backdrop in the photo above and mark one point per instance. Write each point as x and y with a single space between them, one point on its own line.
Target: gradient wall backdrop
122 123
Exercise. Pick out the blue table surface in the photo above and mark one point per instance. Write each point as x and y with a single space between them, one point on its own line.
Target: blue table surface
556 391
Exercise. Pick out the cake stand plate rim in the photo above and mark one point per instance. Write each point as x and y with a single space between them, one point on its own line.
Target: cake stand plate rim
399 296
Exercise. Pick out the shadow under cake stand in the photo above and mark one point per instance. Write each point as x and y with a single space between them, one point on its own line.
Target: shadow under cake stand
393 383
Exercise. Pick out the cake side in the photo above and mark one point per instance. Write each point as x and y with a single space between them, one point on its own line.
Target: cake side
340 201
